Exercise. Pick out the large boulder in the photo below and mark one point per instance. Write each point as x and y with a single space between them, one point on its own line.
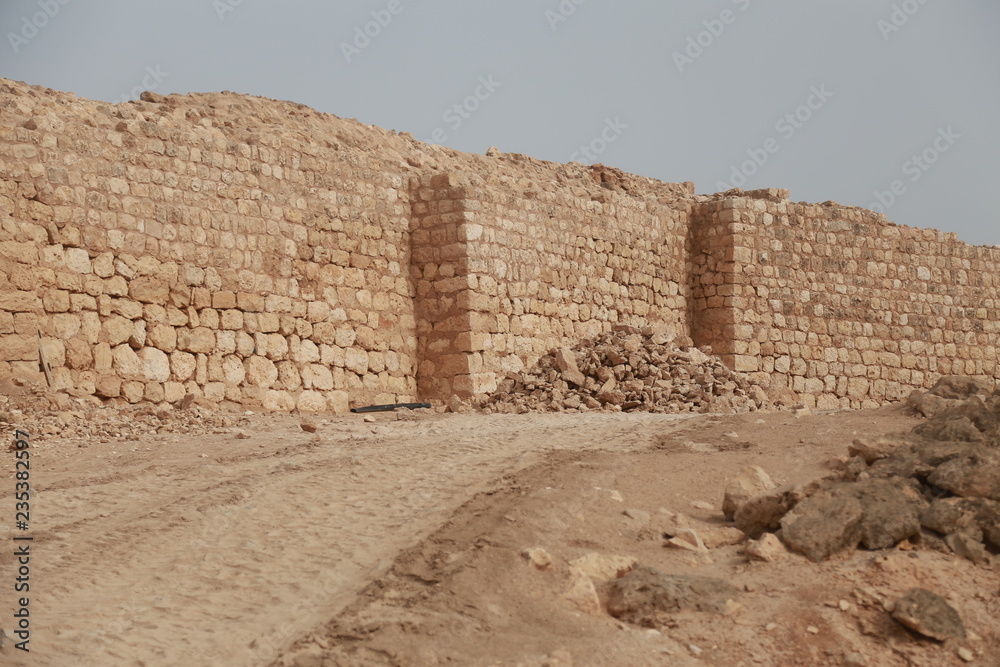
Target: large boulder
960 386
975 474
823 525
890 510
646 596
927 613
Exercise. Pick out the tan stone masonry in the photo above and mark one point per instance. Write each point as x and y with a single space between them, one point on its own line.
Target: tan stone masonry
258 251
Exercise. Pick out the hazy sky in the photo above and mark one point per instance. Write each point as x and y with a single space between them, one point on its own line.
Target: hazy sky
833 99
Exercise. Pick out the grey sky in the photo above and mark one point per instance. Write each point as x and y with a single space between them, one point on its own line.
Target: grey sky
884 94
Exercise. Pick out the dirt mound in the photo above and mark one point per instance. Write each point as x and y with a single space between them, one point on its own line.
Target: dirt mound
625 370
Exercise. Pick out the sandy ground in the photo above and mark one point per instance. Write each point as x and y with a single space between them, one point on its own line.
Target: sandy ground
398 542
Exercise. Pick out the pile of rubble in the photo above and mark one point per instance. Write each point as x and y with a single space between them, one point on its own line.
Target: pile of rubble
628 369
84 420
937 486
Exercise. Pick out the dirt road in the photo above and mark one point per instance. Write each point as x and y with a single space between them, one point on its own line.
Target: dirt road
214 550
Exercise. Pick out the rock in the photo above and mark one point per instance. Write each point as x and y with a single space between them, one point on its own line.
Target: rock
687 539
646 596
960 429
155 364
929 405
457 405
768 549
720 536
927 613
764 511
945 517
749 482
959 386
309 427
986 514
604 568
974 474
891 510
822 525
240 435
869 451
538 558
967 546
626 370
108 386
581 594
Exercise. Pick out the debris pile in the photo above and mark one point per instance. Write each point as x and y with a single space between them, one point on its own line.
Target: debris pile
84 420
937 486
628 369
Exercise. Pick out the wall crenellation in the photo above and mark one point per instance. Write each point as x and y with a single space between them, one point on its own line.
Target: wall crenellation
257 251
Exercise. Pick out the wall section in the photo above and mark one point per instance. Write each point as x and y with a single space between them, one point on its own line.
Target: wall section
258 251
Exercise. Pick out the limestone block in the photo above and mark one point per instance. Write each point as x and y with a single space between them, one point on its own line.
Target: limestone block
64 326
311 401
232 319
20 301
173 391
153 392
345 336
103 265
162 337
245 344
200 340
108 386
127 364
279 401
209 318
225 342
306 352
133 391
155 364
356 360
233 370
224 300
320 376
260 372
55 301
79 355
77 260
288 375
215 391
182 366
339 401
116 330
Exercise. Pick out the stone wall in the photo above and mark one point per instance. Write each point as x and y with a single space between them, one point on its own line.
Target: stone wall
843 307
163 249
240 248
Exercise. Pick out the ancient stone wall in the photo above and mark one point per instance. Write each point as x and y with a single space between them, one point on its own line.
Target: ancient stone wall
845 308
165 249
258 251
